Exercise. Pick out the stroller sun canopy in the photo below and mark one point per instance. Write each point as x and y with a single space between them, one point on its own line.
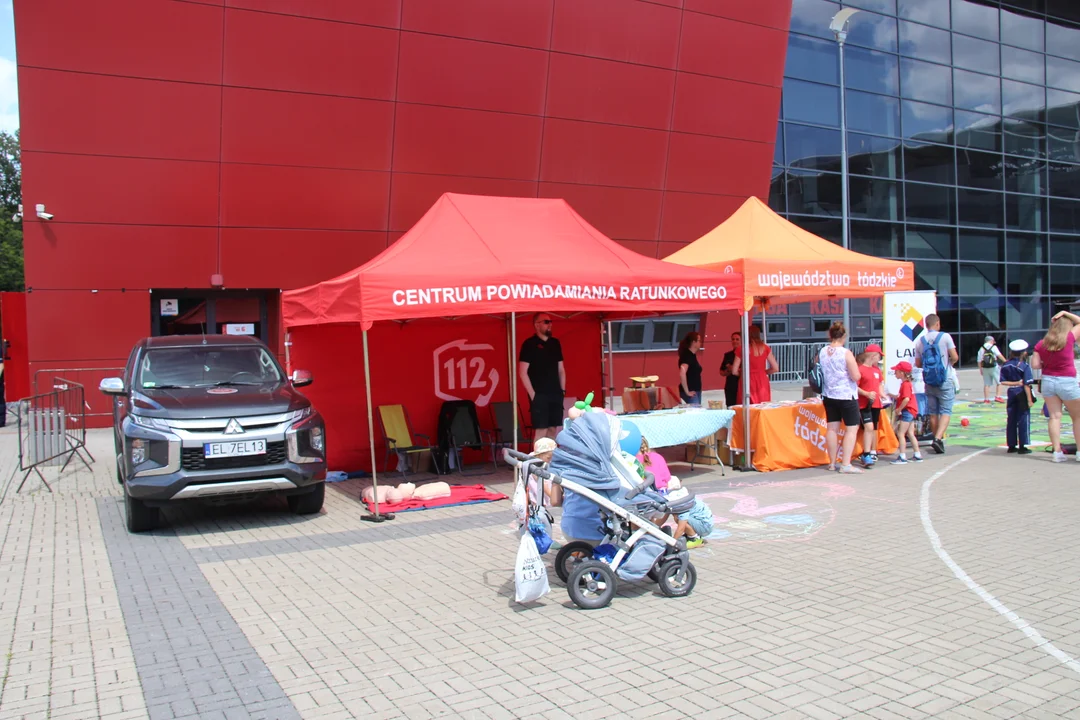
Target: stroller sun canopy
584 452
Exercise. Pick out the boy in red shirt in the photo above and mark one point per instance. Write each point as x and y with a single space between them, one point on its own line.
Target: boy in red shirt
904 411
870 400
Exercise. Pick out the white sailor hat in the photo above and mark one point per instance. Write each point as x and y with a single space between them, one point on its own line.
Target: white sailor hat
1018 345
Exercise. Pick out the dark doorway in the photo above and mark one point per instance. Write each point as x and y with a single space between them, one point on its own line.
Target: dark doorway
222 312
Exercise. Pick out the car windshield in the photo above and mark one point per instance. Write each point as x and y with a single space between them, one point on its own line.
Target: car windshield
207 366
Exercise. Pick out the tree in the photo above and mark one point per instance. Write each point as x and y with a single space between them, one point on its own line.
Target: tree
11 236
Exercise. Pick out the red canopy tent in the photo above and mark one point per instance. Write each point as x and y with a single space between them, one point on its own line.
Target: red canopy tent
472 254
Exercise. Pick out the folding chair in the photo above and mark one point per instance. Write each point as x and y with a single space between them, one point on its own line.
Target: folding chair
459 428
396 433
502 432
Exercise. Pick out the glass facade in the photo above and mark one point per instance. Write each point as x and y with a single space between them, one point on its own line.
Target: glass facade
963 130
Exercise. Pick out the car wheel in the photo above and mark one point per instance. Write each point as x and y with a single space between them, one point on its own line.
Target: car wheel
140 518
310 502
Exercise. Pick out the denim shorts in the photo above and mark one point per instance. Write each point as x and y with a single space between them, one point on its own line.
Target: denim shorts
1063 387
905 416
939 400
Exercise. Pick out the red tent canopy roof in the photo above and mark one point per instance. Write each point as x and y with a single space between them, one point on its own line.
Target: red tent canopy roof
475 254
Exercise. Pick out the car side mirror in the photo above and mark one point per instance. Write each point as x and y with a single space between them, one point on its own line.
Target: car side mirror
112 386
301 378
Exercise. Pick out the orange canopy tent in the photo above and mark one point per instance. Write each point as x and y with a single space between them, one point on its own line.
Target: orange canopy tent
777 258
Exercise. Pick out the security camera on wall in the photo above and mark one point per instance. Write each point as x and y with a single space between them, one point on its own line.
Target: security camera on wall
40 210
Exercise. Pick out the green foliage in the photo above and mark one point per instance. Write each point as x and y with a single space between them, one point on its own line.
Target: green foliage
11 236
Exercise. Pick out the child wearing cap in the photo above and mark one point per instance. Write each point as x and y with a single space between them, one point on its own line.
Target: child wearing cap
870 400
1016 375
905 411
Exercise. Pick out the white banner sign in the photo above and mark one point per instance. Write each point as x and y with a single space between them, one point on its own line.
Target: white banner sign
240 328
170 307
904 324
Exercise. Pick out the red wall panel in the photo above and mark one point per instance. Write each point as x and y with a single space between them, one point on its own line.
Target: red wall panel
53 337
384 13
774 14
703 105
280 52
621 213
119 116
688 216
469 74
626 30
598 154
522 22
720 166
584 88
412 195
160 39
125 191
287 128
296 257
724 48
295 197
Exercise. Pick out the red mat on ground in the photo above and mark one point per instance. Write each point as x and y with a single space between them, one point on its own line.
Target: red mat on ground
459 495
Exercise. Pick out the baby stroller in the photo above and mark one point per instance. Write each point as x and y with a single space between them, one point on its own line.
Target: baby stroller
588 462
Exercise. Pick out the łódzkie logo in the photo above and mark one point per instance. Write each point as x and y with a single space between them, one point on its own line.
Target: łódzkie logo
913 323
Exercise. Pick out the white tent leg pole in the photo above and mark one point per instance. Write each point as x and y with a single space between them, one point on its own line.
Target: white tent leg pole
610 405
745 370
764 324
513 375
376 517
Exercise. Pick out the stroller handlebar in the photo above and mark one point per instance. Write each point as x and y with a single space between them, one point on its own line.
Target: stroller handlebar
517 459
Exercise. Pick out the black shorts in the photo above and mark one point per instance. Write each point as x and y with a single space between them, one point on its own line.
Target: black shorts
846 411
547 410
870 415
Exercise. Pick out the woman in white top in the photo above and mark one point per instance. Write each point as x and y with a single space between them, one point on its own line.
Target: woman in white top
840 392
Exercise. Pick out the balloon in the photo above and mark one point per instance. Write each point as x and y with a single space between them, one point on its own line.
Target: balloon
964 422
630 441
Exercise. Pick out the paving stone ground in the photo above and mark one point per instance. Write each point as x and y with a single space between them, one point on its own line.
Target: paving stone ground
841 608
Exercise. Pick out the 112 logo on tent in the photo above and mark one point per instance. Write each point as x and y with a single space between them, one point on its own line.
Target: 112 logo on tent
462 372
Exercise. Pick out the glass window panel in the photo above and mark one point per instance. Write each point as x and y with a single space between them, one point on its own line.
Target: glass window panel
872 30
1021 29
924 42
1023 65
980 208
929 12
872 155
811 102
1026 280
813 193
1025 175
822 227
883 6
1064 215
632 334
929 243
927 122
978 131
983 245
1062 73
1065 280
871 70
974 19
931 275
1025 212
929 203
925 81
1024 248
874 198
1064 251
1063 39
1063 108
1065 180
977 316
974 91
980 278
974 54
1025 138
929 163
812 147
1023 100
1064 9
871 113
1063 145
778 148
812 17
979 169
1028 313
778 191
877 239
813 59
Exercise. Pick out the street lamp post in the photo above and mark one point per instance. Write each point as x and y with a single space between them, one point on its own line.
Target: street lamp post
839 27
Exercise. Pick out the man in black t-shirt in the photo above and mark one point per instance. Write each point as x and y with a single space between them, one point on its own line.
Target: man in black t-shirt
731 382
540 367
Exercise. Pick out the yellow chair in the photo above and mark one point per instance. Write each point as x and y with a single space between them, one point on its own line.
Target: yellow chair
396 433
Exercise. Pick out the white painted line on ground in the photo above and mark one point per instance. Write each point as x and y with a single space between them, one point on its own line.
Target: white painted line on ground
1020 623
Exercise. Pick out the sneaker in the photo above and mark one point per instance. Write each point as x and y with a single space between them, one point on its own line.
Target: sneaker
850 470
1024 451
1011 450
988 402
900 460
916 457
999 399
938 446
1060 457
694 542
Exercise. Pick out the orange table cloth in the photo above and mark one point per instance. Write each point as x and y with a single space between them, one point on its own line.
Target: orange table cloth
790 435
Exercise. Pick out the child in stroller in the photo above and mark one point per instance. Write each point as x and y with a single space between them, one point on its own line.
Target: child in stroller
588 462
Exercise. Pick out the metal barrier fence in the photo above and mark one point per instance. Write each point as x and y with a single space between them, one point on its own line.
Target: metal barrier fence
794 358
97 405
52 430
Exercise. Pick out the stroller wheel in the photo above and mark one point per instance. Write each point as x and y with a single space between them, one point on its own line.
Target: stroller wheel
592 584
570 556
669 581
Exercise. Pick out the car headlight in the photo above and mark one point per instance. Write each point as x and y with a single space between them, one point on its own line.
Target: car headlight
138 451
318 442
150 422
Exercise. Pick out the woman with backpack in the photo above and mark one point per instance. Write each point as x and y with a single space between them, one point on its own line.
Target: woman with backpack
1055 357
840 392
990 360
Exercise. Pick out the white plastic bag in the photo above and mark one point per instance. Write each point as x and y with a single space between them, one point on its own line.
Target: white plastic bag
530 577
520 504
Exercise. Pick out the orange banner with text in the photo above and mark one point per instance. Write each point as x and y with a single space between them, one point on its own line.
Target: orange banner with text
790 435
